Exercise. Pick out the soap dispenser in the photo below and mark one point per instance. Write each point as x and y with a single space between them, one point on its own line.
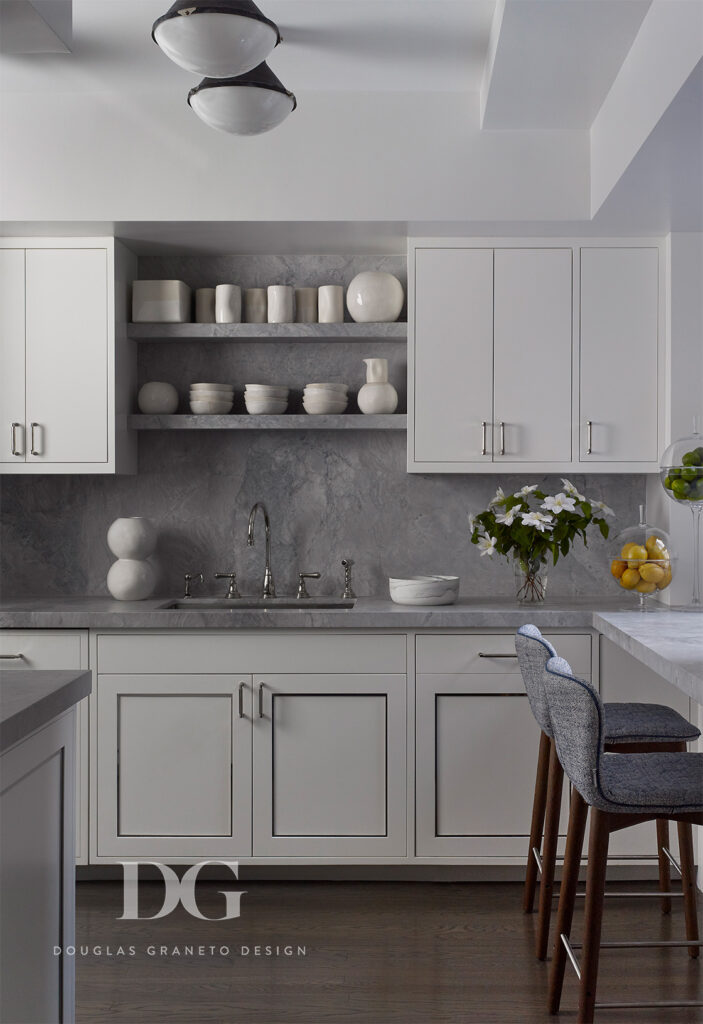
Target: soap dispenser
377 396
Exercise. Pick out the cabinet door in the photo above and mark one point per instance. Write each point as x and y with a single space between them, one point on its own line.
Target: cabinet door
532 355
619 355
12 356
174 765
453 356
67 344
329 765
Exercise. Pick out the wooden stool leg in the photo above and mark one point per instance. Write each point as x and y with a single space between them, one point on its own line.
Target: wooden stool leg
567 895
595 891
689 884
538 805
555 786
664 866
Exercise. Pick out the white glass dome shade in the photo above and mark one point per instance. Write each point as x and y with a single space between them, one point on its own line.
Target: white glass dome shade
246 105
216 38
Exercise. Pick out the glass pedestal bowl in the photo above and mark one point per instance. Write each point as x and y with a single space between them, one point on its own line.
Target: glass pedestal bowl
681 473
642 561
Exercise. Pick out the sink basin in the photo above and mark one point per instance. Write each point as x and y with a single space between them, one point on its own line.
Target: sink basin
270 604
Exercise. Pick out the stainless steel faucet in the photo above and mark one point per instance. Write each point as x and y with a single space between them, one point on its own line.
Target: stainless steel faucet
269 588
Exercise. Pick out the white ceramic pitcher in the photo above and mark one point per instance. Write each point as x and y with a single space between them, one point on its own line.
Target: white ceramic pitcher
377 396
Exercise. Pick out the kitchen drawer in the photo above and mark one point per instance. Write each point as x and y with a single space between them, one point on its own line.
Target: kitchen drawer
40 650
461 654
260 653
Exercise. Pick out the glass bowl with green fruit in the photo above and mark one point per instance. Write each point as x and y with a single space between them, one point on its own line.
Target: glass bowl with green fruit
681 473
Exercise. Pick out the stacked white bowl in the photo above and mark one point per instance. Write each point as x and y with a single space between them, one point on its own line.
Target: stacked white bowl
325 399
266 399
211 399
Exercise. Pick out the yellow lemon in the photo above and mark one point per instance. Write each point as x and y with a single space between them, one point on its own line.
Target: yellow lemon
654 543
617 567
629 579
665 580
651 572
625 553
646 588
639 552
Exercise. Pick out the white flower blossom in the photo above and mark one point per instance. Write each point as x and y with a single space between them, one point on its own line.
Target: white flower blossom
472 522
498 498
524 491
602 507
507 518
487 545
559 503
571 490
538 520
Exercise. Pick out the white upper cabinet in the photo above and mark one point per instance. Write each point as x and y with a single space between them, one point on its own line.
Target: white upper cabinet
67 366
619 397
532 355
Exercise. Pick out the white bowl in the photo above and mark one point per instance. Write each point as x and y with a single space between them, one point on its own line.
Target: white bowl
428 590
212 387
323 408
270 390
266 406
221 396
209 407
157 397
343 388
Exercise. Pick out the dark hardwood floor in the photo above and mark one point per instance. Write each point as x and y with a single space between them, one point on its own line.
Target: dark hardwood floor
376 953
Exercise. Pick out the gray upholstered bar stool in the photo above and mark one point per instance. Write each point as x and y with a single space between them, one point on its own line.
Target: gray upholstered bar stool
621 790
629 727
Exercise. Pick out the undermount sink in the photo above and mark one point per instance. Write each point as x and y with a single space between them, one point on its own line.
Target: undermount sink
272 604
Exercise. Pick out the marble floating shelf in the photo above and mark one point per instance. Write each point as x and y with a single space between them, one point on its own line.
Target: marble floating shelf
289 421
269 332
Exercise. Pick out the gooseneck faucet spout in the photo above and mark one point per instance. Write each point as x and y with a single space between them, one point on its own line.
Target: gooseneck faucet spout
269 588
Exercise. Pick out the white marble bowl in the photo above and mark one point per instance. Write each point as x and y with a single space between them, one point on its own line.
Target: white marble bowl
210 406
424 590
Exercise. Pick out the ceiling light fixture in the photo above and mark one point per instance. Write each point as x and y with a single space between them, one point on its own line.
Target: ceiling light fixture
246 105
216 38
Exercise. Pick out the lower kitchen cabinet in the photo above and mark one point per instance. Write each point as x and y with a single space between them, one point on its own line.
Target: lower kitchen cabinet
329 765
174 765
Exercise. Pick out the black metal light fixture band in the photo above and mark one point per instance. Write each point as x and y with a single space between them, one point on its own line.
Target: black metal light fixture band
245 8
260 78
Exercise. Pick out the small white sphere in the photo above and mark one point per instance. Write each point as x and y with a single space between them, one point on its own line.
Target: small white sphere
375 296
157 398
131 580
132 537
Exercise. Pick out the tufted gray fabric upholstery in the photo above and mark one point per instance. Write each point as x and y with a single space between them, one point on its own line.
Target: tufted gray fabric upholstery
533 653
636 723
626 783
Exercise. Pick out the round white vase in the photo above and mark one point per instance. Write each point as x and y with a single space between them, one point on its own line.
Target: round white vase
375 296
133 537
157 398
377 396
131 580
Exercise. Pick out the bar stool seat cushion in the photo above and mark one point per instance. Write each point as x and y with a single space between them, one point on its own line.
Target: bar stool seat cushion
642 723
666 782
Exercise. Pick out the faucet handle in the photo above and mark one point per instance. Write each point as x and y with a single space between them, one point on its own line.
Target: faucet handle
348 592
232 591
191 577
302 576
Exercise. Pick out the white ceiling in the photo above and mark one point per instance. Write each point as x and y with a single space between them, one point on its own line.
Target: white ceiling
328 45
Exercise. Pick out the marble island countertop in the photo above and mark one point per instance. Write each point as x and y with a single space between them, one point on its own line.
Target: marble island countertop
30 699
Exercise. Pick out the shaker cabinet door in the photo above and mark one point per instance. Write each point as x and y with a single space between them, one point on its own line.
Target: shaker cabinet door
67 355
619 355
12 412
453 357
532 355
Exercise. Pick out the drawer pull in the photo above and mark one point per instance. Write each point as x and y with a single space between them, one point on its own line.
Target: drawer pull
482 655
261 700
13 439
11 657
241 700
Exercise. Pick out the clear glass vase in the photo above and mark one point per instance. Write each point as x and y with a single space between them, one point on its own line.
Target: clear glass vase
530 580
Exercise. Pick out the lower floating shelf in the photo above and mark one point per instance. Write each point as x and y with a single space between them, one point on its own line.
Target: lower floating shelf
292 421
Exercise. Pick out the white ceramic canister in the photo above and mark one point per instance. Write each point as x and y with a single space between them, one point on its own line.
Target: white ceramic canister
377 396
205 305
228 304
130 579
281 304
306 305
255 305
330 304
157 397
132 537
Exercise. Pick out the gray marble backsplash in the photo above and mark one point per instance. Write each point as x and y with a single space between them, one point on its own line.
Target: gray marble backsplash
329 494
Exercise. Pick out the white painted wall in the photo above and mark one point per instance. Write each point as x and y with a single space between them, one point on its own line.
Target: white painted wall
95 155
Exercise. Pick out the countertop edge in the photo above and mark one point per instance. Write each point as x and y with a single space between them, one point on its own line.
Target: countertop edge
72 687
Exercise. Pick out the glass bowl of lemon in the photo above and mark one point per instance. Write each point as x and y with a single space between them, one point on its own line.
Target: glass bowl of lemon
643 562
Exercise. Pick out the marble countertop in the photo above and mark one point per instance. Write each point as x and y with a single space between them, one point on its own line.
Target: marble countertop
367 613
30 699
670 642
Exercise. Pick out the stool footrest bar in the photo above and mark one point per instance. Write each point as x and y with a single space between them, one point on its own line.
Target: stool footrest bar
644 944
672 860
645 1006
629 895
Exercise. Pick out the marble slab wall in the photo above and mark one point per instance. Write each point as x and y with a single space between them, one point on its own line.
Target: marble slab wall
329 494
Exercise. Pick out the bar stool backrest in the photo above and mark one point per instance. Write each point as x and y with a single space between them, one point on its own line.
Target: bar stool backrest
576 714
533 653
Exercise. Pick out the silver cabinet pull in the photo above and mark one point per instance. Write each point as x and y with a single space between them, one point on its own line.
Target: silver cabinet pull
482 655
33 449
502 438
589 437
241 699
261 700
11 657
484 449
13 439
